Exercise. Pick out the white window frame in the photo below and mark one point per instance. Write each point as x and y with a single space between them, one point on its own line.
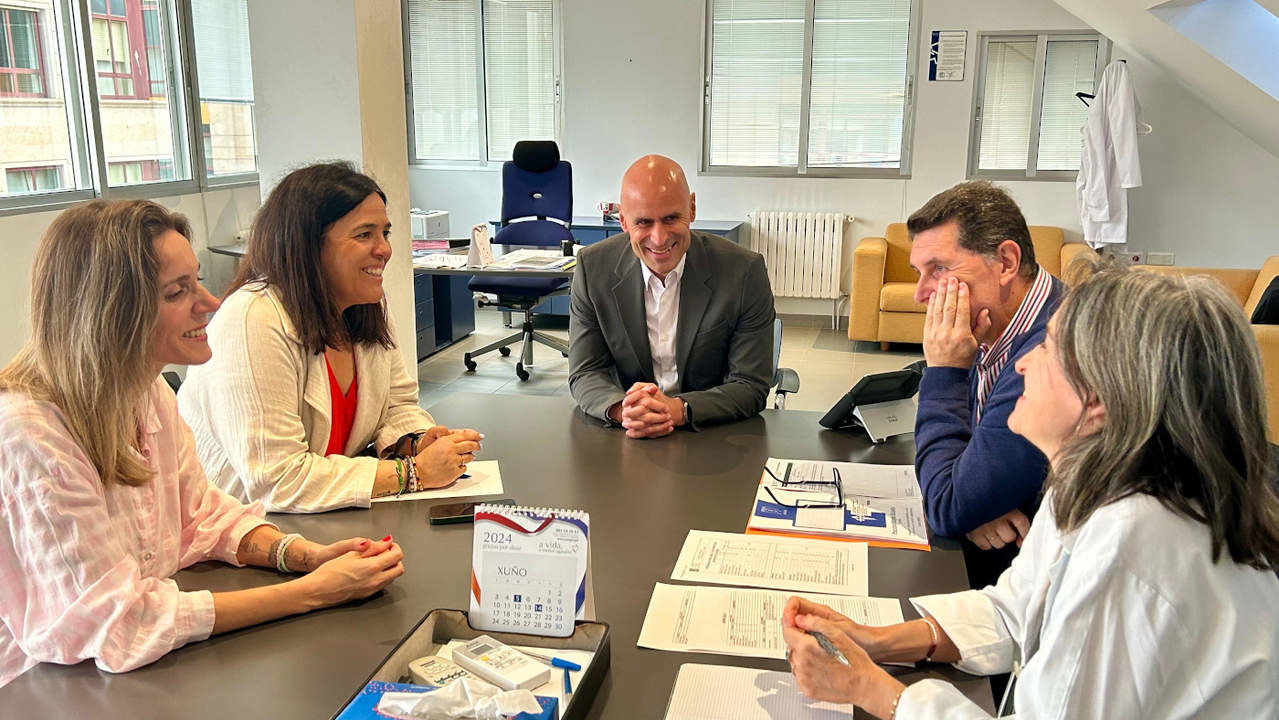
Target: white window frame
802 169
481 90
1041 39
88 159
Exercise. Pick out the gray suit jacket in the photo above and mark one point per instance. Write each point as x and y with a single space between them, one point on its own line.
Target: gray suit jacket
723 340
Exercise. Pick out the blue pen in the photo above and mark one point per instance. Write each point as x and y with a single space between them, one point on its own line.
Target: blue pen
568 686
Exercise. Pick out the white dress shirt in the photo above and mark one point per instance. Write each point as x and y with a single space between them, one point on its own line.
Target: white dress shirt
1125 617
661 311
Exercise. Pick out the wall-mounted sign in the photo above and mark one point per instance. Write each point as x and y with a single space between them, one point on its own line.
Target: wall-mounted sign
946 54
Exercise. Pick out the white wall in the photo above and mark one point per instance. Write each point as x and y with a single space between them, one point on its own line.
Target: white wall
215 216
634 91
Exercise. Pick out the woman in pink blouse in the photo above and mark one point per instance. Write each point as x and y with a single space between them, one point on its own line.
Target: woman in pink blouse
102 498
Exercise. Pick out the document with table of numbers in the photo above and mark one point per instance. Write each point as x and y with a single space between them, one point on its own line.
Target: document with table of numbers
740 621
530 570
782 563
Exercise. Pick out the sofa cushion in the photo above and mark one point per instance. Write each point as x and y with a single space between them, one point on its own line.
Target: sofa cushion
897 261
1048 241
900 297
1269 270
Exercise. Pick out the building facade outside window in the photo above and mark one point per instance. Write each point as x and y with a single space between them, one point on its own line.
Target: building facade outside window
21 66
144 116
32 179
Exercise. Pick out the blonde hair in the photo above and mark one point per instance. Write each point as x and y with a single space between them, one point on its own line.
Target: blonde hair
94 296
1176 366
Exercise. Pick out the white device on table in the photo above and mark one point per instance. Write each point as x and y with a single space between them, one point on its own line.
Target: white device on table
501 665
436 671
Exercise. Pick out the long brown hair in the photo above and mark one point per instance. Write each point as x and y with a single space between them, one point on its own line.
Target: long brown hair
284 253
94 299
1177 368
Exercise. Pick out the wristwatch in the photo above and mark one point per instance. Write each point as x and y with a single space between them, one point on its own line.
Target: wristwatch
688 412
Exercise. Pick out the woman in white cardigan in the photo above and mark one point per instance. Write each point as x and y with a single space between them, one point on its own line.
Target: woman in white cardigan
305 375
1146 586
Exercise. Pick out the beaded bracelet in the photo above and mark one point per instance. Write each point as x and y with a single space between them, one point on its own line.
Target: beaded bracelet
399 473
414 485
285 541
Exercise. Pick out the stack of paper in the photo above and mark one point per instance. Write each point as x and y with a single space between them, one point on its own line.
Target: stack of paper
525 258
740 621
881 505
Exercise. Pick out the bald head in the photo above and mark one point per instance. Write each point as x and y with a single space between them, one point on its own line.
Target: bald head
654 175
657 209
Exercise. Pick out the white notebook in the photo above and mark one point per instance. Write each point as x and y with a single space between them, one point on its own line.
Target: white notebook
531 570
720 692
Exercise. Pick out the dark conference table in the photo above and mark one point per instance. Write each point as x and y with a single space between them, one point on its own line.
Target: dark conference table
643 498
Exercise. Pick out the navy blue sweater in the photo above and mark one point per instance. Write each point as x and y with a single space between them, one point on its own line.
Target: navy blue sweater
970 476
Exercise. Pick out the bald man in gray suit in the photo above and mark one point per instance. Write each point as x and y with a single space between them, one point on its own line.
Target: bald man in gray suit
669 327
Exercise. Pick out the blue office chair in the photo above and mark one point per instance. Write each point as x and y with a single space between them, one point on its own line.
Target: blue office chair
537 207
785 380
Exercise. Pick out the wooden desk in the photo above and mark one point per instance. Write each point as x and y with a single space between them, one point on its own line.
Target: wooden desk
643 496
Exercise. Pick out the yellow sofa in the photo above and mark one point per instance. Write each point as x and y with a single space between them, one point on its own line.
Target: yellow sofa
1247 286
882 305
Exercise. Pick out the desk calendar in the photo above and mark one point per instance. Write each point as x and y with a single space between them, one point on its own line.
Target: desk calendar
530 570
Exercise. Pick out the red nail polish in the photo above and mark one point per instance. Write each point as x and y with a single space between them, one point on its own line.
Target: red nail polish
388 537
364 543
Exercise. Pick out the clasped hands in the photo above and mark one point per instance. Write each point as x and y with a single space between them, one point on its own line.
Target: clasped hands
647 412
951 338
443 455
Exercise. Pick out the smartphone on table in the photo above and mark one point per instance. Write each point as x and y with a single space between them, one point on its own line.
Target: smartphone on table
461 512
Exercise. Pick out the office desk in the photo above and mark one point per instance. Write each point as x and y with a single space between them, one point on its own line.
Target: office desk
643 497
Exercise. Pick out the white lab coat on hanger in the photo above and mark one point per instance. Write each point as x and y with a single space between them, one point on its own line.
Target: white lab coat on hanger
1109 165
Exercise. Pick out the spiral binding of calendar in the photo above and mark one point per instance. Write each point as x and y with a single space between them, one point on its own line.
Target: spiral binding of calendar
527 510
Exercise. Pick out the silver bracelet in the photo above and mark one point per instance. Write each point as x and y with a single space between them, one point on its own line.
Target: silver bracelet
285 541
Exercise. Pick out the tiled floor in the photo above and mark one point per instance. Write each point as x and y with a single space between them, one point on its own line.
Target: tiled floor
827 362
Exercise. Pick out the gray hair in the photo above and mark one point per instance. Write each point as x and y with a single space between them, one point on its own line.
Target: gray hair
1176 366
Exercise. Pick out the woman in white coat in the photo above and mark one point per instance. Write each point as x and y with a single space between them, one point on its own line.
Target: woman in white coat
305 375
1146 587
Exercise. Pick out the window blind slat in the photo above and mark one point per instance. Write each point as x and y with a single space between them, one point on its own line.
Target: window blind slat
1069 68
519 73
444 54
1006 104
858 96
757 58
222 48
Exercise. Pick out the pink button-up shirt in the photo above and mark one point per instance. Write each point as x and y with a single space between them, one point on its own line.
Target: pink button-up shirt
84 569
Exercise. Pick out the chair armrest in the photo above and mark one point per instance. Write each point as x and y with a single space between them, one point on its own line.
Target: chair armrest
787 380
867 280
1070 252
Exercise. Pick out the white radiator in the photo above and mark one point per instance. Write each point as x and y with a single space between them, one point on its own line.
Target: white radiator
802 250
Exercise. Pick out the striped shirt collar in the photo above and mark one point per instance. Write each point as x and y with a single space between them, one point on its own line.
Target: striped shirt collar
1026 315
991 359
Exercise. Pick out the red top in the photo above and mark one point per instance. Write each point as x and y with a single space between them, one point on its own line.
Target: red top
342 408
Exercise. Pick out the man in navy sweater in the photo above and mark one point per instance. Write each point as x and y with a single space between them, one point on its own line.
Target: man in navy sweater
988 304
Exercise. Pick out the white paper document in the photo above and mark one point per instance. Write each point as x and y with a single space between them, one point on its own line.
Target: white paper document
720 692
533 259
482 479
773 562
737 621
881 503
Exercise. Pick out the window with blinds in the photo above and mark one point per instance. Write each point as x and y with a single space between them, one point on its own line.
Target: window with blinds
482 77
795 87
1027 115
